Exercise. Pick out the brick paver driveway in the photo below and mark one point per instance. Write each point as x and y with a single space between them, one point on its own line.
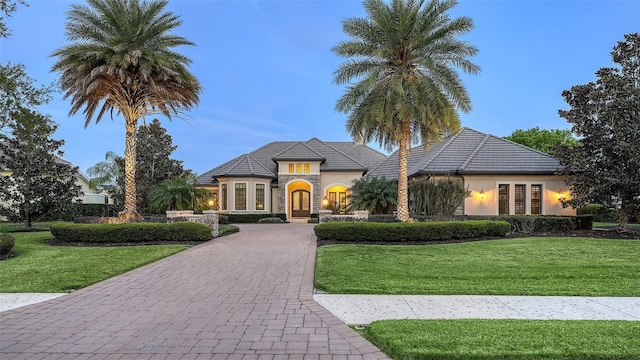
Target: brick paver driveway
244 296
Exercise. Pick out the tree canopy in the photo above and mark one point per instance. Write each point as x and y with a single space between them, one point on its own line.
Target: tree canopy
19 91
605 166
402 57
41 184
7 7
542 139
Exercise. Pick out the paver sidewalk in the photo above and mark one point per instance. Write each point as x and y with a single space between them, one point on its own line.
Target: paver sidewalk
243 296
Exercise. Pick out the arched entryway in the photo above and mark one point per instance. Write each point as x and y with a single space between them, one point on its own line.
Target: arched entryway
299 205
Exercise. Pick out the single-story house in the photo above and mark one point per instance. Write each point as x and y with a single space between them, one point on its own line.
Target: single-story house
293 177
504 177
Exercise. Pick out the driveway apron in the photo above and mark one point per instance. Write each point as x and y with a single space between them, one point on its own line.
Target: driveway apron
243 296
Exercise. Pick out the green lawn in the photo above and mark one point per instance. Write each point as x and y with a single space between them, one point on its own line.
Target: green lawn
529 266
43 268
506 339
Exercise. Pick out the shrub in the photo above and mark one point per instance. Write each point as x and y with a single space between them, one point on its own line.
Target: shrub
583 222
6 243
131 232
252 218
386 218
410 232
313 220
227 230
270 220
102 210
223 219
600 213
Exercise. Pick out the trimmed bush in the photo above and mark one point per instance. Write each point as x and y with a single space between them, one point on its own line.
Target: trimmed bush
270 220
583 222
410 232
6 243
131 232
383 218
223 219
600 213
252 218
227 230
100 210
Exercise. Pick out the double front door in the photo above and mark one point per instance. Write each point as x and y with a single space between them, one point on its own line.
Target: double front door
300 203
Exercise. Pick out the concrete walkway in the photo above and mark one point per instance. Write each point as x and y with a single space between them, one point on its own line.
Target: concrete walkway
243 296
364 309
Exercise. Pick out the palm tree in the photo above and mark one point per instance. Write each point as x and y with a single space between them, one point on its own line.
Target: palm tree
402 57
377 195
105 172
178 194
121 59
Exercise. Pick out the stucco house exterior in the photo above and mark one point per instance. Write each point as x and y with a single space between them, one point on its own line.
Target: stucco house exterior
504 177
291 177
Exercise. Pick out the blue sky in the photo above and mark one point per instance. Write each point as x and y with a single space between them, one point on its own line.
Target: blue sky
266 68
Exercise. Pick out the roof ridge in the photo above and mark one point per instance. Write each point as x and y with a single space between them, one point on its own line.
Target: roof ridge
235 164
294 144
248 157
261 165
340 152
474 152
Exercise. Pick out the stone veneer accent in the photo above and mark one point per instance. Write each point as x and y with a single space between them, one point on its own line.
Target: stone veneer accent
315 190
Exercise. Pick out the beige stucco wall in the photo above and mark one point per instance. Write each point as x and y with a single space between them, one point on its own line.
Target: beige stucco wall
251 194
329 179
553 187
283 167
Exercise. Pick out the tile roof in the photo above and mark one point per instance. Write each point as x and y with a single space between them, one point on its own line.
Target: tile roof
471 152
334 156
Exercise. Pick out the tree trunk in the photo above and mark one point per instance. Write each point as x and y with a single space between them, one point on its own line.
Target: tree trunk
623 217
130 212
403 183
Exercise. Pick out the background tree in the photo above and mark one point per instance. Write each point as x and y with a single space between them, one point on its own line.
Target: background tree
377 195
106 175
17 91
402 57
178 194
41 185
154 147
7 7
605 167
121 59
542 139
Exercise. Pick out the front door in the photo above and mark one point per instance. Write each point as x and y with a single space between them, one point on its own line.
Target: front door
300 204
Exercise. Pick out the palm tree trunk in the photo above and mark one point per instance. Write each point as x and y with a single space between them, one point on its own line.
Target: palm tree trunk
130 212
403 183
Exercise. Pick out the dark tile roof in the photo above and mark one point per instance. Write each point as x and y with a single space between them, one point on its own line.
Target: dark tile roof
471 152
334 156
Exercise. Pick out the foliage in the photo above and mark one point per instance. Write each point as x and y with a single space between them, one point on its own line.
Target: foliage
40 267
179 194
605 114
402 57
7 7
224 230
437 196
130 232
506 339
270 220
103 210
535 266
6 243
599 212
17 92
542 139
383 218
410 232
121 59
252 218
155 165
377 195
41 185
107 174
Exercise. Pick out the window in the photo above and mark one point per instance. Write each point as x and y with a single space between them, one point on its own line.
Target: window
503 199
307 168
536 199
241 196
343 201
259 196
291 170
298 168
520 199
223 195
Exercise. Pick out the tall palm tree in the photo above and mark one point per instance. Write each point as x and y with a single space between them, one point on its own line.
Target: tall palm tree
121 59
402 57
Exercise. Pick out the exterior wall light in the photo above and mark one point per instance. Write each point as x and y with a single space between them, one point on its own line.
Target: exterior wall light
325 202
482 194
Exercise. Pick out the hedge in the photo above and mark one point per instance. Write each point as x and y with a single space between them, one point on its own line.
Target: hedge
130 232
410 232
252 218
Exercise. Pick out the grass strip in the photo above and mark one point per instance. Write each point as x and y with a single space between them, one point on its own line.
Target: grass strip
506 339
43 268
528 266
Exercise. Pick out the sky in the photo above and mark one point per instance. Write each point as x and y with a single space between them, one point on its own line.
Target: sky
266 68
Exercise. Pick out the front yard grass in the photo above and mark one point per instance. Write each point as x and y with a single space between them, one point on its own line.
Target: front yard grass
529 266
43 268
506 339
